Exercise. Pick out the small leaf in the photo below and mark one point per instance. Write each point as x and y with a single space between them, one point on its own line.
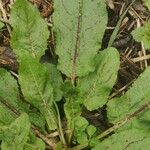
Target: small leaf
79 38
30 31
80 125
96 91
128 139
72 106
142 34
137 96
35 81
91 130
34 143
15 136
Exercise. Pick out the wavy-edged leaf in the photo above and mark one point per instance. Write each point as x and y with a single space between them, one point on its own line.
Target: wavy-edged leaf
142 34
137 96
96 87
30 31
79 26
35 81
15 136
127 139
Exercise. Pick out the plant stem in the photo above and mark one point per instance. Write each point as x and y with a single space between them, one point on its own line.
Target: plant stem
61 134
79 147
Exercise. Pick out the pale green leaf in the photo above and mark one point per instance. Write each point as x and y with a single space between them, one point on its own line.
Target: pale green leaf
30 31
15 136
132 139
79 26
96 87
137 96
142 34
35 81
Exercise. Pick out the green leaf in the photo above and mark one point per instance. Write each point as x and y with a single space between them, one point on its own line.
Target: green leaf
35 81
128 139
142 34
141 122
80 125
1 24
91 130
9 93
15 136
137 96
147 3
72 106
34 143
30 32
37 119
6 116
56 81
96 91
79 26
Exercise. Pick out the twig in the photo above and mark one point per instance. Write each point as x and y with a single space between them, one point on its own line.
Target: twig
61 134
137 59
